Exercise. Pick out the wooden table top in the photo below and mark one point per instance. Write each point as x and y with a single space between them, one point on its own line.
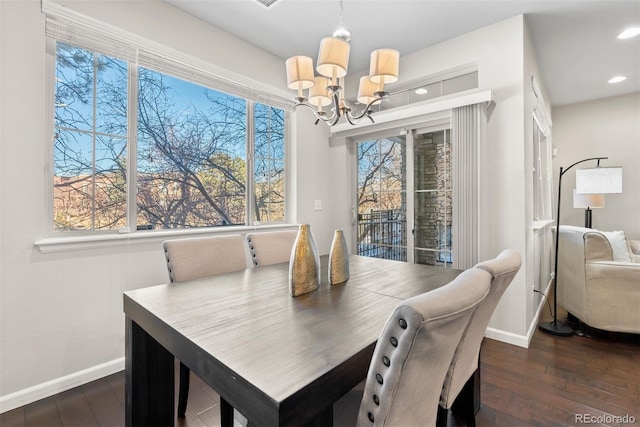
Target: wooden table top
252 342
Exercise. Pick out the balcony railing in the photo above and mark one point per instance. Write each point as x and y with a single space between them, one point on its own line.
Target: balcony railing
382 234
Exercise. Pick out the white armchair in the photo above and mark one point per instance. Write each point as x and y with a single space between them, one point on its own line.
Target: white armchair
601 292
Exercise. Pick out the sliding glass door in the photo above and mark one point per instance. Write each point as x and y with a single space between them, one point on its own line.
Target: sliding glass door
394 223
433 207
382 213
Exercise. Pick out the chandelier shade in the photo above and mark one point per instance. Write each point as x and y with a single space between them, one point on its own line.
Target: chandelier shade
384 66
333 58
367 90
319 94
299 72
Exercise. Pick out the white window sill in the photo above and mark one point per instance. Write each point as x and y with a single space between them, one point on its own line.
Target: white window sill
542 224
80 243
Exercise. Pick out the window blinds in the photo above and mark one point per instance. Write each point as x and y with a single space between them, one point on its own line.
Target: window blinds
90 38
100 37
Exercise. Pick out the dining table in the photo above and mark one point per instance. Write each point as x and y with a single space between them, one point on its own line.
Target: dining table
278 360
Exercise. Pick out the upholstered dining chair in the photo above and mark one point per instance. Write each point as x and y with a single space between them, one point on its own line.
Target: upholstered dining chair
271 247
457 391
196 258
414 352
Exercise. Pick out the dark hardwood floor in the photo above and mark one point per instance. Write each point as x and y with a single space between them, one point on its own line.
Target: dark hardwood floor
552 383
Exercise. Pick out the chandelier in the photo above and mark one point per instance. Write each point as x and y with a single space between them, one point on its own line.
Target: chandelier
327 89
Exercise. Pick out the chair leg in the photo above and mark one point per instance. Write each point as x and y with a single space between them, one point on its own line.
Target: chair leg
464 405
443 415
183 394
226 413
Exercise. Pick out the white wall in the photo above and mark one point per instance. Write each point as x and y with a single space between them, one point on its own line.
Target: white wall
322 175
533 301
608 127
498 52
61 313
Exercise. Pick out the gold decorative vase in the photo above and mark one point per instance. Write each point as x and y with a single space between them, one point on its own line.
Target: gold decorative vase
304 267
338 259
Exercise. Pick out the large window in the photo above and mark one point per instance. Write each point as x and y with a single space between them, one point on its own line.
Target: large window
139 147
90 141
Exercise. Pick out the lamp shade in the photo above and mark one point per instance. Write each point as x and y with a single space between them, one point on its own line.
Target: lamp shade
319 95
384 66
599 180
299 72
333 57
585 201
367 90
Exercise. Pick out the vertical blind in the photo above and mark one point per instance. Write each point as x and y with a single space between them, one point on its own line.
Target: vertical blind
467 130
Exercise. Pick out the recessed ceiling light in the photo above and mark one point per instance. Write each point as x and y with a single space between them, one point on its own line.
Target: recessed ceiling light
617 79
421 91
629 32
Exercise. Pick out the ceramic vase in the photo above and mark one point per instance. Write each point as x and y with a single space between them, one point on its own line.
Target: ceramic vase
338 259
304 266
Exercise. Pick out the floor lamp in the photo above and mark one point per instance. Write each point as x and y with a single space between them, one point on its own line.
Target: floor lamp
587 202
598 180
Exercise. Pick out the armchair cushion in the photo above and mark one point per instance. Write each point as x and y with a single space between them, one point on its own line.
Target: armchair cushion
634 248
619 245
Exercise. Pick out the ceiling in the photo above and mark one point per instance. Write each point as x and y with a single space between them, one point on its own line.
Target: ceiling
575 41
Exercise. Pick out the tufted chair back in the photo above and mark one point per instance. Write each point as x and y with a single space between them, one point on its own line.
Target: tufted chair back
414 351
198 257
502 270
272 247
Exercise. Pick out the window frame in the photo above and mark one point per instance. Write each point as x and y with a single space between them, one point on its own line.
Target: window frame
103 40
542 152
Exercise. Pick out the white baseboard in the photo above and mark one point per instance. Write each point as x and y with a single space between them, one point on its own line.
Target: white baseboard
58 385
508 337
520 340
536 319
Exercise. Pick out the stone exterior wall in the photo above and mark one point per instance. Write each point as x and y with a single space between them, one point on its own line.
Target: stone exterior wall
433 206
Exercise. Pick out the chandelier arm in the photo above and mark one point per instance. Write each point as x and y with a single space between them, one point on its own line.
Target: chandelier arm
367 110
351 120
318 116
325 118
355 120
335 121
369 105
